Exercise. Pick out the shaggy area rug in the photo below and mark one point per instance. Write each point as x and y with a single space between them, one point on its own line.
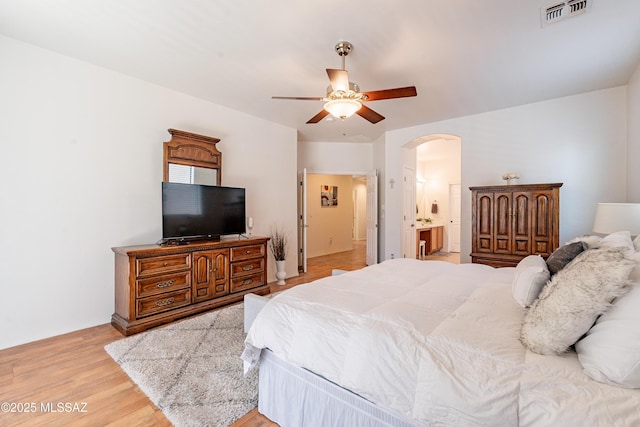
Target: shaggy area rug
192 369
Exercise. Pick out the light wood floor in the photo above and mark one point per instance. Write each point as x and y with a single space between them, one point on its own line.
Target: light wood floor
75 369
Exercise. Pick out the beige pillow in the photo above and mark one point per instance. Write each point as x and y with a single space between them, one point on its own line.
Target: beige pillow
530 276
619 239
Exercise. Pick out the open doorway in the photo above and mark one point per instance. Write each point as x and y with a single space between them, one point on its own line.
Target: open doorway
338 213
438 176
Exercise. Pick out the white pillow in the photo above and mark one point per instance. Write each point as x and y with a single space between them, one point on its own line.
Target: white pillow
619 239
531 275
610 353
636 243
573 299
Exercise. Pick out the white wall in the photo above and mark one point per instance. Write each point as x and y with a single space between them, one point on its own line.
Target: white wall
81 173
578 140
633 134
335 157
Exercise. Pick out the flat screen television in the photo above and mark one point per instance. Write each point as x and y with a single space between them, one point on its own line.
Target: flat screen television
194 212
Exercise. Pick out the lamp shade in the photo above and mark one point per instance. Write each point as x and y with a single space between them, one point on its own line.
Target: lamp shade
342 108
612 217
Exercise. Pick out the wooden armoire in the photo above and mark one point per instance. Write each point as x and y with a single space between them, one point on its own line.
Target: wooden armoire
509 222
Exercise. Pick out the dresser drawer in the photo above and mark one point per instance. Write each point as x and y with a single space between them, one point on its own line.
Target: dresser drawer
162 264
247 282
247 252
165 283
163 302
243 268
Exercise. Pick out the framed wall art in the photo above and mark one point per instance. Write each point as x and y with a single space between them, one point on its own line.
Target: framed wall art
328 195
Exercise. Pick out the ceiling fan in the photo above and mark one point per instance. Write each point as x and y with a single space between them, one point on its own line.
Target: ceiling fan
344 97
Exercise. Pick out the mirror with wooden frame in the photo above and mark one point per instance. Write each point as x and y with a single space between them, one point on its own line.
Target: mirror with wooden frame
192 158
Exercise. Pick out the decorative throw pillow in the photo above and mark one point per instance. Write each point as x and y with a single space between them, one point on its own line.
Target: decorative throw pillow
590 241
610 353
563 256
619 239
530 276
572 300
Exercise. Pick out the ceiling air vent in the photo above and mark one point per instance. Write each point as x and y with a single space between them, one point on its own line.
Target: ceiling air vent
564 9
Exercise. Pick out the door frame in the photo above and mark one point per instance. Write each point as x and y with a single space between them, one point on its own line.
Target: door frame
372 238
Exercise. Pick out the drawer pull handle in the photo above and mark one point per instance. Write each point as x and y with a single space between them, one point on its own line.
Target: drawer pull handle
247 281
164 302
165 264
165 283
247 268
247 252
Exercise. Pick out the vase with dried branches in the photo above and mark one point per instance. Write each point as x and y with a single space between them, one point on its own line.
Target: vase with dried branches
278 245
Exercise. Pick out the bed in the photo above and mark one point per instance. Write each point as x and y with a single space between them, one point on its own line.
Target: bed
421 343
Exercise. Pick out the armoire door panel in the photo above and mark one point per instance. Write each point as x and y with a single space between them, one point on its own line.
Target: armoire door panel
522 246
503 215
521 214
542 217
502 245
484 223
485 214
543 248
485 244
503 223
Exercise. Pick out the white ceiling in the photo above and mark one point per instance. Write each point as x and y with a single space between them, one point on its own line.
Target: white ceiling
463 56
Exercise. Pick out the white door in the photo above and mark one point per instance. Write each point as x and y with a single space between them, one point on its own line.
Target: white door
302 221
409 213
372 217
454 218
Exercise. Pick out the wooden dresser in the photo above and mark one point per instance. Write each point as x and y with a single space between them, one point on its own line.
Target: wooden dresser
159 284
509 222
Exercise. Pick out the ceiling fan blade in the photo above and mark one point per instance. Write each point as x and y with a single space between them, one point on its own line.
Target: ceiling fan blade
339 79
400 92
302 98
321 115
369 114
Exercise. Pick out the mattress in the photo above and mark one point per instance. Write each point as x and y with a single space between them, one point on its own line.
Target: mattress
436 343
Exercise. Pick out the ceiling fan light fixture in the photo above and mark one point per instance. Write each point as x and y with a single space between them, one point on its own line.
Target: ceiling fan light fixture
342 108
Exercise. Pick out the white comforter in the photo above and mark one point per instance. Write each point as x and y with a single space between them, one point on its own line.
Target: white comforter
437 343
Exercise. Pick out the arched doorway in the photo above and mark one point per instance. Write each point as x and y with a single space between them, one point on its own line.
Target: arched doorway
436 189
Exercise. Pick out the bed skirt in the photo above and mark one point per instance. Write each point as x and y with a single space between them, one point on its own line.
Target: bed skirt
295 397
